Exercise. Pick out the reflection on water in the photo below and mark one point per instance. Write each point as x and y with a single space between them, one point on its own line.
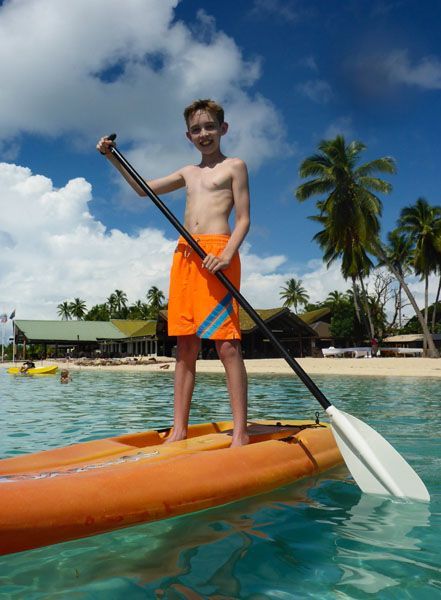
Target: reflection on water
319 538
377 530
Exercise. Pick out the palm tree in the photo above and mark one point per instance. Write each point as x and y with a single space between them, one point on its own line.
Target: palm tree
78 308
117 305
421 224
98 312
64 310
353 295
120 300
139 310
111 305
399 253
351 209
294 293
156 299
435 304
355 262
335 298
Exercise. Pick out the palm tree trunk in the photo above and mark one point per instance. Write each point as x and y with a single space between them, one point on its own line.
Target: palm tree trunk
367 308
400 304
433 352
436 305
426 311
356 304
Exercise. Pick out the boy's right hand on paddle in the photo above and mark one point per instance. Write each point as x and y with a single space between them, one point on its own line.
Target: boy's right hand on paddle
104 145
215 263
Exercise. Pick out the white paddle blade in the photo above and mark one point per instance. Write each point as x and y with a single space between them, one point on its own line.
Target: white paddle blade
374 464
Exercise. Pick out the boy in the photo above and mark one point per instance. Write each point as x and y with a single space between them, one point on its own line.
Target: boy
199 305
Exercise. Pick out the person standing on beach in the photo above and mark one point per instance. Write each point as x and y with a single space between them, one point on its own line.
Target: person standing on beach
199 305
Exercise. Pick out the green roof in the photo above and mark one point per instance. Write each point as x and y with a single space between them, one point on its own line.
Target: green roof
314 315
149 328
68 331
135 328
247 323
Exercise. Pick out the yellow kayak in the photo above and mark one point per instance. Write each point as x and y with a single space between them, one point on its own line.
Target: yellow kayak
34 371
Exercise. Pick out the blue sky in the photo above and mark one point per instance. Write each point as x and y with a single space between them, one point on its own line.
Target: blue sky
288 73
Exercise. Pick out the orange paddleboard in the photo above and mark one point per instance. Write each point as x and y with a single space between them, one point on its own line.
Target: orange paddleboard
94 487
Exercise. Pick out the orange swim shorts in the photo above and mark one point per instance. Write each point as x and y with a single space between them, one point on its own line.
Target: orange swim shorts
198 302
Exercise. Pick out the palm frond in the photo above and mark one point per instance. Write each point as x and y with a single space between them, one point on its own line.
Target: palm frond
382 165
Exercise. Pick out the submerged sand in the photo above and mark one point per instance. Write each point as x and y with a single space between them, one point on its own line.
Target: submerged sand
379 367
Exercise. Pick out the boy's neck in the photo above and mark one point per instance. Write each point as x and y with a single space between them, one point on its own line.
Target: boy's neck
211 160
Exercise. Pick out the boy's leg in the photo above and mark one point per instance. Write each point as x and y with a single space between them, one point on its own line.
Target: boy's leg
230 353
187 352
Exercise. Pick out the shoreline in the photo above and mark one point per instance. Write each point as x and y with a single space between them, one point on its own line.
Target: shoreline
372 367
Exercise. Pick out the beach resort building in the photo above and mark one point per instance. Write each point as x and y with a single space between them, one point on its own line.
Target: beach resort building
295 335
125 338
85 338
409 344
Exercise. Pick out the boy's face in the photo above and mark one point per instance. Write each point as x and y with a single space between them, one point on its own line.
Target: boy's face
205 132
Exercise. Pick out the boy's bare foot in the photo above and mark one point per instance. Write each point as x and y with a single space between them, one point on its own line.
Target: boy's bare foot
176 436
240 440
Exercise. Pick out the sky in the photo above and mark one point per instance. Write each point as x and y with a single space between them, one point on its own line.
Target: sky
289 74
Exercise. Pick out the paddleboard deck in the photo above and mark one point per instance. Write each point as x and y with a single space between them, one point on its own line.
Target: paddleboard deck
97 486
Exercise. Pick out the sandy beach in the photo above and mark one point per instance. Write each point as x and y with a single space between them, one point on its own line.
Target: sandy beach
378 367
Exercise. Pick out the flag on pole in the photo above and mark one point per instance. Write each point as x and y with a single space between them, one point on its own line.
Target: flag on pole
12 315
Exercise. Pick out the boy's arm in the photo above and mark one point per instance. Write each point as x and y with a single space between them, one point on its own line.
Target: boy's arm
170 183
241 199
163 185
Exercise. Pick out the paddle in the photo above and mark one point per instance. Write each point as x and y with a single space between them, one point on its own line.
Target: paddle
374 464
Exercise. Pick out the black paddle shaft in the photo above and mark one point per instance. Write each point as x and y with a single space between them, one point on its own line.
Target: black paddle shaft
225 281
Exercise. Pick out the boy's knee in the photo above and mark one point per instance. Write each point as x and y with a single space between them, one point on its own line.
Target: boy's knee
228 349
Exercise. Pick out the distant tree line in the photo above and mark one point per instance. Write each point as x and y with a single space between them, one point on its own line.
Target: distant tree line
115 307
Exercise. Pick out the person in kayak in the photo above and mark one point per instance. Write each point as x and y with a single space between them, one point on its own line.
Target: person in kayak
199 306
28 364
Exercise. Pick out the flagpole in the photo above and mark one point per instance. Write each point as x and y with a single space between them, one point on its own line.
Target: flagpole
3 321
13 340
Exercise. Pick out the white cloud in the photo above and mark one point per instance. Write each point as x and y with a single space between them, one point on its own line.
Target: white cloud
56 250
308 62
341 126
283 9
316 90
425 73
380 75
82 68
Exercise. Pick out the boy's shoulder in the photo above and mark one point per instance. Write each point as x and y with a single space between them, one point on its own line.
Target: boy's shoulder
234 165
237 162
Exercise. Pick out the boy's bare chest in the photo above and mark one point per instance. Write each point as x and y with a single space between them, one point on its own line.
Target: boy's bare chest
203 181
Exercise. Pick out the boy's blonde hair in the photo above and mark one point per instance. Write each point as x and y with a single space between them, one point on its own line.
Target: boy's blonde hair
205 104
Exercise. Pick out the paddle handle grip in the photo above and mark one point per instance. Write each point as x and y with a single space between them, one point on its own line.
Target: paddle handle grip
315 391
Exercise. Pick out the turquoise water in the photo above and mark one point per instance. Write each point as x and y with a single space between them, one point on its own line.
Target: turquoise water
320 538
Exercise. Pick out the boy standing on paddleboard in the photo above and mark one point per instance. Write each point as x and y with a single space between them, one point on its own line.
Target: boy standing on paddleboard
199 306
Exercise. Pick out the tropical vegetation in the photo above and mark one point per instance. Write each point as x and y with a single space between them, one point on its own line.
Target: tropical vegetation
294 294
349 213
115 307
